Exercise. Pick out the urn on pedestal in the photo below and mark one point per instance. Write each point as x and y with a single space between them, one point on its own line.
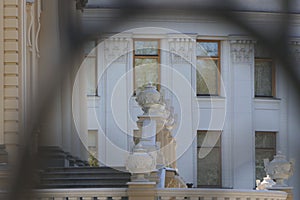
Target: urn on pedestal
279 169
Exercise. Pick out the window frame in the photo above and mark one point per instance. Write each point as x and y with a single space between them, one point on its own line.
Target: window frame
158 57
218 58
220 158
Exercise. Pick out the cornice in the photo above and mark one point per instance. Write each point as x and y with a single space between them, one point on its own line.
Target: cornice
185 17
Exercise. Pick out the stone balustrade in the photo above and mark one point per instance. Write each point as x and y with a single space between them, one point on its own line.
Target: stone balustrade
218 194
159 194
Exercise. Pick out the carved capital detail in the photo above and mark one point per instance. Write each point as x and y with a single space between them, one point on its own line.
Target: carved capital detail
182 50
242 51
116 50
294 50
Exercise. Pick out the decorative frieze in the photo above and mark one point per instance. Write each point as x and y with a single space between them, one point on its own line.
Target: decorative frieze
242 51
182 49
116 50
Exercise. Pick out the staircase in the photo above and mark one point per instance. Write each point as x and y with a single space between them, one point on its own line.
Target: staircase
83 177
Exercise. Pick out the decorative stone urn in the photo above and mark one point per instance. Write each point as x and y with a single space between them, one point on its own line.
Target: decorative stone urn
149 99
279 169
140 162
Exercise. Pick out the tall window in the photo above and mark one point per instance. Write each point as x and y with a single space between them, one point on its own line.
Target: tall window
146 62
265 147
209 159
208 68
264 73
90 64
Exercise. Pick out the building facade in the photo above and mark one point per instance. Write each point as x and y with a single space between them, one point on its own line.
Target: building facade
233 101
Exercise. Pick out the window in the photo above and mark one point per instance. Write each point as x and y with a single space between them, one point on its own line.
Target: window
146 62
90 64
265 147
209 159
208 68
93 142
264 73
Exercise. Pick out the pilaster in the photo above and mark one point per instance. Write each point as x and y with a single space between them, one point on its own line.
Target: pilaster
242 84
182 73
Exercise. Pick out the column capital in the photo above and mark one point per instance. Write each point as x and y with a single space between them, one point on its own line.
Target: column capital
182 48
294 49
242 49
116 49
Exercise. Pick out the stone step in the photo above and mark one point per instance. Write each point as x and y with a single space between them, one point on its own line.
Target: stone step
76 177
84 181
80 185
83 169
84 175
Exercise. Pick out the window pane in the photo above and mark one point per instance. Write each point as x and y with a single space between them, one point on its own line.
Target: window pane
260 155
209 173
263 78
207 49
146 70
209 139
207 77
146 47
209 158
265 140
265 147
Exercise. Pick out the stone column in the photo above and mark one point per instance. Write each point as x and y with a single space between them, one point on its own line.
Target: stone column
242 64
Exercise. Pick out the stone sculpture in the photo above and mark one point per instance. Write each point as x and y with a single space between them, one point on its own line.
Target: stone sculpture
279 169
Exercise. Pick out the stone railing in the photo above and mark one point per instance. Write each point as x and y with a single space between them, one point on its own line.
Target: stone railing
219 194
159 194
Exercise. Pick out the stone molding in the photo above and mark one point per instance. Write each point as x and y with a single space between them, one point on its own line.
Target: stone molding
182 49
242 51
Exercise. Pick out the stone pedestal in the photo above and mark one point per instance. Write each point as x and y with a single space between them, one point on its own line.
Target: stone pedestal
288 190
141 190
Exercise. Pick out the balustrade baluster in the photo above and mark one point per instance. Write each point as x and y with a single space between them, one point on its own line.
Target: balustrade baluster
180 198
87 198
73 198
165 198
116 198
102 198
